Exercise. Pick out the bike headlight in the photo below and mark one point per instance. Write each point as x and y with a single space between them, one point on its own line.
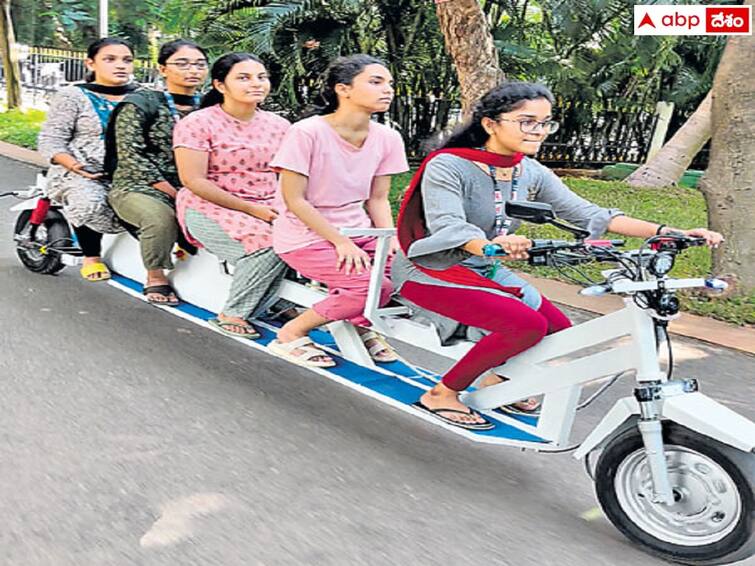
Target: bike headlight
661 263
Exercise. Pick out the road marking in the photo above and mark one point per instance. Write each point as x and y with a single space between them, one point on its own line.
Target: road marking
592 514
176 518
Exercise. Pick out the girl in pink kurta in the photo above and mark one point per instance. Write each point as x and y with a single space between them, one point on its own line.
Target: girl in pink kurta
335 173
223 153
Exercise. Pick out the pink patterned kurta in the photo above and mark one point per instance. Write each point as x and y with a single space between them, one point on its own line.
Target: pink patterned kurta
239 157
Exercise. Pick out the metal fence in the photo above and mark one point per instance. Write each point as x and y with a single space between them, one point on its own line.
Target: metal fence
44 70
590 137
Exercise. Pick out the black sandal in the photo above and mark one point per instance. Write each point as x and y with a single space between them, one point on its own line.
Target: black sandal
515 409
485 425
163 291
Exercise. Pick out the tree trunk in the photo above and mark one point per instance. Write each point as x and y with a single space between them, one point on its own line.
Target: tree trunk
11 71
470 44
668 165
729 182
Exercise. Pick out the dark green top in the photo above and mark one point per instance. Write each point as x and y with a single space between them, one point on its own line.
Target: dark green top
143 128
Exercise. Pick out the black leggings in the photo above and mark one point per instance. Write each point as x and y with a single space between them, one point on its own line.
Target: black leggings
90 241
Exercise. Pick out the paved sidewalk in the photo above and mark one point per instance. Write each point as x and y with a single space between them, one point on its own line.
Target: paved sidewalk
706 329
702 328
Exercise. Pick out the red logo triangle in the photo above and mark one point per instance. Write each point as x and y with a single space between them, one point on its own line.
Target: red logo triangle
646 21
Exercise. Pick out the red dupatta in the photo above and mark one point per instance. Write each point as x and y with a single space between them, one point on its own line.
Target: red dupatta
411 219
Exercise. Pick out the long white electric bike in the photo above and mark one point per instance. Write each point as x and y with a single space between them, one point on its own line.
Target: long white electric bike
674 470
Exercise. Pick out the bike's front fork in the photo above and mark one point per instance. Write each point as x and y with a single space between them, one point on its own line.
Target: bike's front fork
650 397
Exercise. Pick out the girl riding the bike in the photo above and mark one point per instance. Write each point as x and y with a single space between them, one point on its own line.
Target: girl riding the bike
454 208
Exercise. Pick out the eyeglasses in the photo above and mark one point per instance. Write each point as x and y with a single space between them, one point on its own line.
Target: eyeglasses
184 64
531 126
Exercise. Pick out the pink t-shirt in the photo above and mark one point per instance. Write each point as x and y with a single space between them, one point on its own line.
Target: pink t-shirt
238 162
340 176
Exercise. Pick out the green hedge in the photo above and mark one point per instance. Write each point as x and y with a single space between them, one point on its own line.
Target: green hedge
21 128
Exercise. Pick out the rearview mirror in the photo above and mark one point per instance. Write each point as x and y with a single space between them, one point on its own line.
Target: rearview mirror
535 212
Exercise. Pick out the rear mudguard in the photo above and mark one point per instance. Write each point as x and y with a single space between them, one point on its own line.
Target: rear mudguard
29 204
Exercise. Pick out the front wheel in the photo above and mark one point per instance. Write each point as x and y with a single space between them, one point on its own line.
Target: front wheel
712 520
32 251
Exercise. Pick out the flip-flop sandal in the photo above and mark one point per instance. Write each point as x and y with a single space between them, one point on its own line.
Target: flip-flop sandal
485 425
224 327
163 291
306 359
380 345
516 409
95 272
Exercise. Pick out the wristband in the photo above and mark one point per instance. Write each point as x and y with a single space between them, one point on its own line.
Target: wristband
660 227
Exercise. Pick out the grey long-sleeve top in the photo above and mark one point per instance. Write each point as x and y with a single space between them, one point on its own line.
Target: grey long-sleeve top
73 127
459 205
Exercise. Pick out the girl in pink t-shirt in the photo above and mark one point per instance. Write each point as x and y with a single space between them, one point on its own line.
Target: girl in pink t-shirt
335 171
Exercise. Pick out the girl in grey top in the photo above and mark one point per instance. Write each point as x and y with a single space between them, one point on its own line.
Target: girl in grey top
461 204
72 139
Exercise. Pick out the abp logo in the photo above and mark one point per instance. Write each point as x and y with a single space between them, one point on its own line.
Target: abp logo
691 19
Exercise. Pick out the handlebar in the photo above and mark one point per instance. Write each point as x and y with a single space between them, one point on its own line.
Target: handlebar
548 252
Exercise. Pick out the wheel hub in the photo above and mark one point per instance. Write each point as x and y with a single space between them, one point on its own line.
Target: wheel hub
706 501
31 247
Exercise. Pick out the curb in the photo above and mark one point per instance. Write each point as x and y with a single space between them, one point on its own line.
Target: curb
29 156
692 326
689 325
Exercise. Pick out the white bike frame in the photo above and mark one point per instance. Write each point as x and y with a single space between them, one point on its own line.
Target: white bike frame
558 367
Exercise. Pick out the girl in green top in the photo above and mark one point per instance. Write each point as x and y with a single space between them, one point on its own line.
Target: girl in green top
140 156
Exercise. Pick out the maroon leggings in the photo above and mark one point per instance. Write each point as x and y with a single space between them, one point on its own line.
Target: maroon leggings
513 325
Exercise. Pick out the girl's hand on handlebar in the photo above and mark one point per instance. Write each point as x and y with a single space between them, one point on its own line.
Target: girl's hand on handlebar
515 246
351 257
713 239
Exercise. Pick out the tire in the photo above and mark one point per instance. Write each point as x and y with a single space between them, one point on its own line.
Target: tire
707 527
53 229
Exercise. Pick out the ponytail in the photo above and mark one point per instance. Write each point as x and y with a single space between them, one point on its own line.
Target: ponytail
341 71
211 98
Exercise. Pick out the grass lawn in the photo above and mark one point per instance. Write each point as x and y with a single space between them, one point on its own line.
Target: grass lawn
681 207
21 128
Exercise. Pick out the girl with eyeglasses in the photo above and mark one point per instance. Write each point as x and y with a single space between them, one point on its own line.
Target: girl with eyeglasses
141 161
454 208
72 139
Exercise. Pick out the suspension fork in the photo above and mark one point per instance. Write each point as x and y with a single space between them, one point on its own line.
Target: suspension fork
650 398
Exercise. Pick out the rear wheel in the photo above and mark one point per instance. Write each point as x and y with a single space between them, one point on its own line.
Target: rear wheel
34 252
712 520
